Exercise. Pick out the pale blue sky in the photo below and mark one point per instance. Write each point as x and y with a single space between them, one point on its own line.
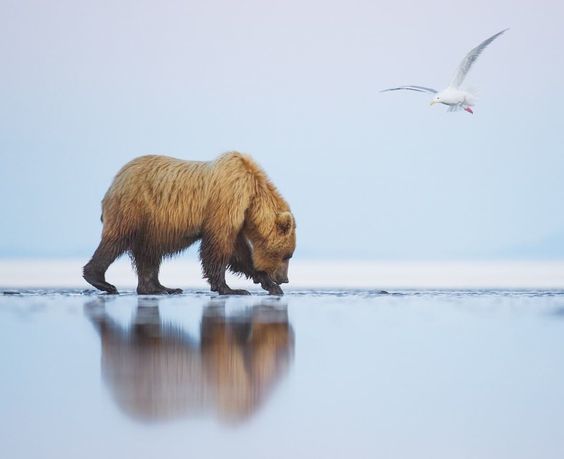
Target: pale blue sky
86 86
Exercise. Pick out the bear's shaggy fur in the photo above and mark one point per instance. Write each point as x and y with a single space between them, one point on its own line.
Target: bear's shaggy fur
158 206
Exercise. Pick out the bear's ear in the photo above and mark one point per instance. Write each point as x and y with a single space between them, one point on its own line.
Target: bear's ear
284 222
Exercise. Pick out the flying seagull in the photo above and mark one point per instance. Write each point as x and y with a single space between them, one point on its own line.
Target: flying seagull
454 96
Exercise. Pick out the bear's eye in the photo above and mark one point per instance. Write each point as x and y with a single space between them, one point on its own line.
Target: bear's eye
287 257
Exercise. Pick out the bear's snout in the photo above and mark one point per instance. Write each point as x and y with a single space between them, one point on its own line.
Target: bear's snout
282 280
280 277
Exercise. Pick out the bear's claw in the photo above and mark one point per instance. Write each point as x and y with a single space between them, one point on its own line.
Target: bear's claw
99 283
159 290
275 290
230 291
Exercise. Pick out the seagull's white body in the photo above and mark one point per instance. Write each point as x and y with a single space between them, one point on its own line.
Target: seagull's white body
456 99
454 96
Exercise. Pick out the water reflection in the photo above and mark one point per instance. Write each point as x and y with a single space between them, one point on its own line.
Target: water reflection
156 371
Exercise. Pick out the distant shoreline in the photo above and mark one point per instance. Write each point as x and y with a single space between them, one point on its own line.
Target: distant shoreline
49 273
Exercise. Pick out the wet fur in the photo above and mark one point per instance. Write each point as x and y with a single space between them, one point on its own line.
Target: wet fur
158 206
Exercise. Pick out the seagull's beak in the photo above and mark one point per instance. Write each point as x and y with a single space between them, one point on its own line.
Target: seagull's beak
433 102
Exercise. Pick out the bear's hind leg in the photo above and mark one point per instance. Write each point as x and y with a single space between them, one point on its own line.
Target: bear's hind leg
147 267
94 272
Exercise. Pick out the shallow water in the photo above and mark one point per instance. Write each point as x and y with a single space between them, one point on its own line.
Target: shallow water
331 374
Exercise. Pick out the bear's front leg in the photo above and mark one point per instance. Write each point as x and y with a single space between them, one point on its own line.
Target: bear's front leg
218 284
241 262
214 265
267 283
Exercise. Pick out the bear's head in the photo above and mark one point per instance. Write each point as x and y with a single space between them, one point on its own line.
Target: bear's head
272 252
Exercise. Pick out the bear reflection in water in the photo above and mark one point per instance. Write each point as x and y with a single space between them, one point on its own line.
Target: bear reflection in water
156 371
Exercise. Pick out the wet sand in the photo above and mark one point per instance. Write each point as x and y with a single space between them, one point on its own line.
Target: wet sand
331 374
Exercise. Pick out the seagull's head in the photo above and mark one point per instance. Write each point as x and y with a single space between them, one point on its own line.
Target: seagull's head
437 100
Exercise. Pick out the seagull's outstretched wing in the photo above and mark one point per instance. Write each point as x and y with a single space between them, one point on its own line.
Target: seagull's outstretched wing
470 58
412 88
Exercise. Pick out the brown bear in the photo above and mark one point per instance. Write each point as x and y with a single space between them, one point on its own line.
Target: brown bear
158 206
